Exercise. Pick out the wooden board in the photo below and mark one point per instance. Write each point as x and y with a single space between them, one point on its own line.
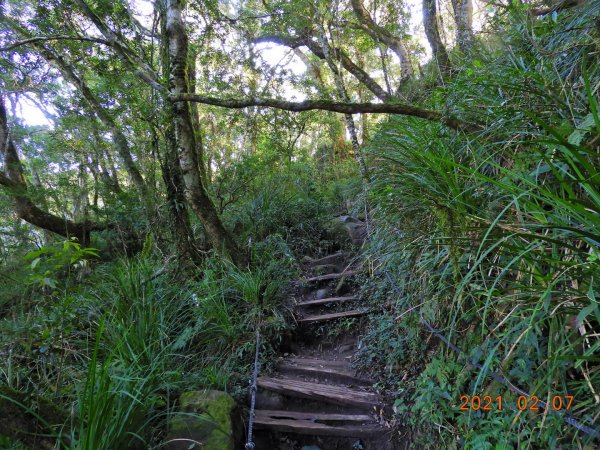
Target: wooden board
348 425
331 276
338 395
332 316
324 301
342 363
337 370
329 259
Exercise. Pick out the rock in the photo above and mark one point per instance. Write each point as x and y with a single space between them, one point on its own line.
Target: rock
337 232
307 259
356 229
310 447
346 348
209 420
358 445
335 259
322 293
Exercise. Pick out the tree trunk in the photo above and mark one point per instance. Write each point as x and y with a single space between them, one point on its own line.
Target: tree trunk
182 232
195 191
341 90
196 116
463 17
384 69
108 176
430 22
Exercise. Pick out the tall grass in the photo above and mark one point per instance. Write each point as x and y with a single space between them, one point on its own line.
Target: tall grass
133 369
494 238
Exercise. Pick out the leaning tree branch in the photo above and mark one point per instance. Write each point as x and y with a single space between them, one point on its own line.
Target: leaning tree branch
13 179
325 105
338 53
142 69
60 37
564 4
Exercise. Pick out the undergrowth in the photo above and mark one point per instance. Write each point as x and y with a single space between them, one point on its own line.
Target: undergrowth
492 239
113 344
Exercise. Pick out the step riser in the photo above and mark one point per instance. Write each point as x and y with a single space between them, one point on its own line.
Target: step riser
325 301
331 276
319 393
330 259
291 427
266 399
329 317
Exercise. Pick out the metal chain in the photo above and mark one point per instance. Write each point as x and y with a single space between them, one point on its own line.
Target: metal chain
249 441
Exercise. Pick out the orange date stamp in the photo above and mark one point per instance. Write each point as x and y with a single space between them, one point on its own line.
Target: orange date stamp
524 403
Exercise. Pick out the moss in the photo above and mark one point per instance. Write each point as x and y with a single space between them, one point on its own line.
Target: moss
207 418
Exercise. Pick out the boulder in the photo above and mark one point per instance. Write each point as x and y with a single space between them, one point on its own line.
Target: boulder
356 229
337 232
206 420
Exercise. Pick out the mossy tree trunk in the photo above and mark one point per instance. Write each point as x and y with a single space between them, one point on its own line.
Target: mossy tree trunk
185 136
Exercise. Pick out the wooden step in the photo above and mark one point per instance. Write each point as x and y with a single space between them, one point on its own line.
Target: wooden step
331 276
329 259
324 301
336 370
348 425
338 395
332 316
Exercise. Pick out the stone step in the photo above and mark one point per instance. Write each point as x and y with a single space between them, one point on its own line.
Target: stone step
337 395
317 424
324 301
332 316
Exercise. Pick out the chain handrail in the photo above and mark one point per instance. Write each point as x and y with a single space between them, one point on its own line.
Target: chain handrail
249 441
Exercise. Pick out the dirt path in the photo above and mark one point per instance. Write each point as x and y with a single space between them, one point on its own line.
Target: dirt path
316 400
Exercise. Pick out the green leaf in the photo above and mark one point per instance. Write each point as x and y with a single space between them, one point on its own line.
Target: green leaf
48 282
582 129
585 312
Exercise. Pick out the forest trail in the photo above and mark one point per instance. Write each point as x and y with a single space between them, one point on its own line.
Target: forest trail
316 399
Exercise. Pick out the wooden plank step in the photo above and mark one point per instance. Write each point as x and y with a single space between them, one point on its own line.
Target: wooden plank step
332 316
348 425
337 370
329 259
324 301
341 363
332 276
338 395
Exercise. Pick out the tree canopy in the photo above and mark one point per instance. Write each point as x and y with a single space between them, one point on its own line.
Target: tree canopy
197 151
